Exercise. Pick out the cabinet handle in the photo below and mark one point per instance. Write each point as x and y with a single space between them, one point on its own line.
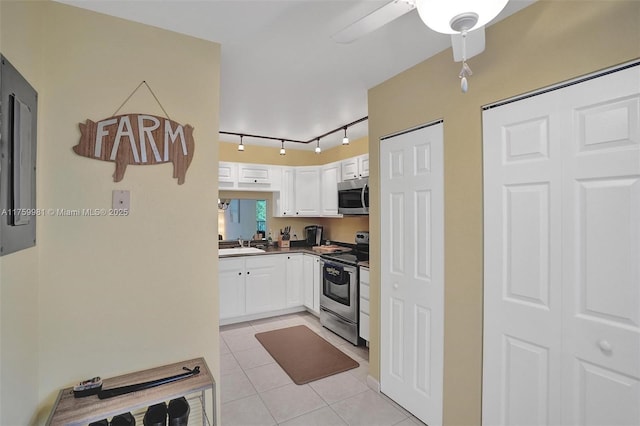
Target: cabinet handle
255 180
248 272
239 273
288 257
297 212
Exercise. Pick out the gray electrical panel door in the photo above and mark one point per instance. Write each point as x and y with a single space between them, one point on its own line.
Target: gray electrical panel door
18 125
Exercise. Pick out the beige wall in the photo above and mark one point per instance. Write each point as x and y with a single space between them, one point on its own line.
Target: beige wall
109 295
546 43
336 229
20 35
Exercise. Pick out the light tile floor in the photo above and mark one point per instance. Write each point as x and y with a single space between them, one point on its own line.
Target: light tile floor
255 390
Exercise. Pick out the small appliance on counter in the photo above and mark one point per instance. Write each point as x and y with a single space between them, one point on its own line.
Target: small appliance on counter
313 235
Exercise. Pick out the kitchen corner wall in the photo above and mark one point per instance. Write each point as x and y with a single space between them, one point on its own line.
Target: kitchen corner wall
109 295
545 43
336 229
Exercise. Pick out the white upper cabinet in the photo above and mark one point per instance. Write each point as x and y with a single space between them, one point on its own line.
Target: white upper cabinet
285 199
363 165
254 174
350 169
307 191
355 167
297 191
227 174
329 178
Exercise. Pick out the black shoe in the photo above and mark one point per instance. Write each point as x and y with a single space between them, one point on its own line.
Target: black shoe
125 419
103 422
178 412
156 415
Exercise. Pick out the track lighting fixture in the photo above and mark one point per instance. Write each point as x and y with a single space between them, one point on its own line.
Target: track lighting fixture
318 150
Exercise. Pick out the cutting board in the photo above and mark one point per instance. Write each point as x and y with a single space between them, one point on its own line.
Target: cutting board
329 249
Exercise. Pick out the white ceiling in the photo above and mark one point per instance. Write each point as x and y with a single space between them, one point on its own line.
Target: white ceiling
281 73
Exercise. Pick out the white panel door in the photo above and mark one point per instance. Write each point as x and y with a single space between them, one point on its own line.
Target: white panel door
522 283
601 250
412 271
562 256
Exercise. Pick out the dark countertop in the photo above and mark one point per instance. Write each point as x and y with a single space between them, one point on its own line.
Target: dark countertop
279 250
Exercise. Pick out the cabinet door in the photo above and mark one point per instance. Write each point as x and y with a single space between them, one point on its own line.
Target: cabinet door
307 266
363 166
254 174
307 190
350 168
264 280
227 174
295 289
287 193
231 285
329 189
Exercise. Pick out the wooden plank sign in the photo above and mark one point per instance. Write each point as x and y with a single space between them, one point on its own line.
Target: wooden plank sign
138 139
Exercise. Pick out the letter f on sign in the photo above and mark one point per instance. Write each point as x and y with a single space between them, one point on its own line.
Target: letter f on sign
101 133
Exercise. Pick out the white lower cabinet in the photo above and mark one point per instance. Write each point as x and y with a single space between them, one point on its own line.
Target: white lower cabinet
253 286
231 286
364 303
311 279
265 284
294 279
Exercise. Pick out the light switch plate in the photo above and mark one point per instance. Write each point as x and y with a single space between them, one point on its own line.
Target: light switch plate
121 199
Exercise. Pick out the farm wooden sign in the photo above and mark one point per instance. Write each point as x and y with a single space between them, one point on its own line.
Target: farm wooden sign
138 139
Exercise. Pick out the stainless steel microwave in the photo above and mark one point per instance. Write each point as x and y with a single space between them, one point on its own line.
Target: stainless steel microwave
353 196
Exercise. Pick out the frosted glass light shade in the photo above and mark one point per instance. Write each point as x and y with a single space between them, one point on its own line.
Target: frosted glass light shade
437 14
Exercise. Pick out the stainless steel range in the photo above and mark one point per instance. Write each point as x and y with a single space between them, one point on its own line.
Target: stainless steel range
339 298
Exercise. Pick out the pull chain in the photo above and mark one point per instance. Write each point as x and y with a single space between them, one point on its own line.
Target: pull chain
465 71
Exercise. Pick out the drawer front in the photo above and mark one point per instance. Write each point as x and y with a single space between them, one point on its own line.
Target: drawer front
364 326
364 292
364 305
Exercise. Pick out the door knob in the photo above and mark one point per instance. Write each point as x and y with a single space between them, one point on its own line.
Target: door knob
605 346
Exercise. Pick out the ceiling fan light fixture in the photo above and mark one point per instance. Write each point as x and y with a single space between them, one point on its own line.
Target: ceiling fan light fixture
455 16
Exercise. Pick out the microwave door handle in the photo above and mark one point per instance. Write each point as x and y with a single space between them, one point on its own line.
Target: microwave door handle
364 188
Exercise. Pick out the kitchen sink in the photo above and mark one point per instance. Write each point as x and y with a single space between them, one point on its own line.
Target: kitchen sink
239 250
